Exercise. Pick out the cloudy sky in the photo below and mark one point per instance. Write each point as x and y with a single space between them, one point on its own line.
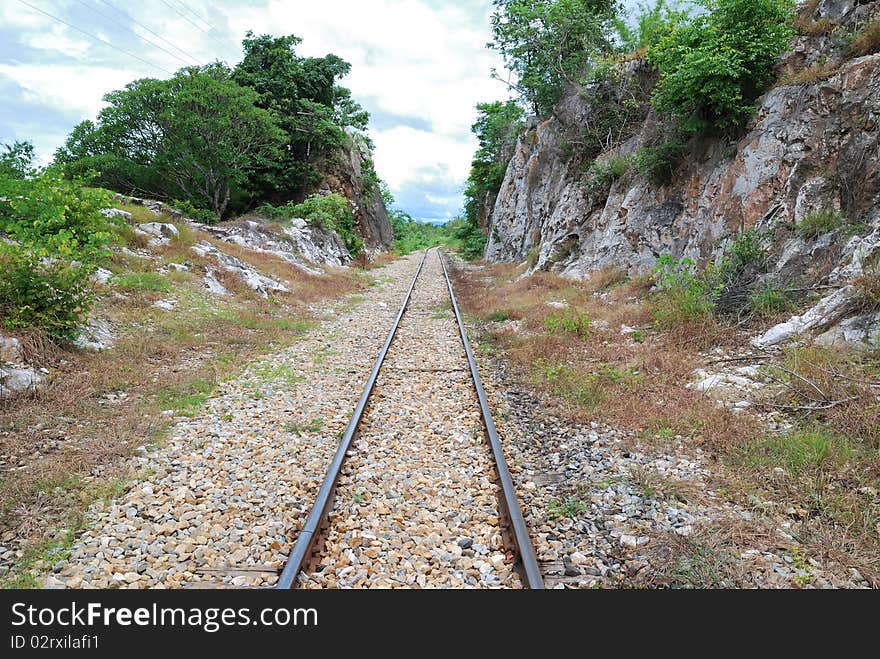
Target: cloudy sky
418 66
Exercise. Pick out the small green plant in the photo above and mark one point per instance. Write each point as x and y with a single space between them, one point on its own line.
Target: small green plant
819 223
186 399
638 336
192 212
658 163
313 426
685 296
569 507
497 316
532 257
359 498
147 282
569 321
768 300
600 175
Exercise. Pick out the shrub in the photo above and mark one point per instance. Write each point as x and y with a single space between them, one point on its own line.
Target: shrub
198 214
601 175
59 237
867 41
768 300
685 296
713 68
658 163
331 212
570 321
56 217
819 223
36 292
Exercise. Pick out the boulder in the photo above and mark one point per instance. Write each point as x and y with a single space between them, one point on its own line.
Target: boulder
10 349
14 381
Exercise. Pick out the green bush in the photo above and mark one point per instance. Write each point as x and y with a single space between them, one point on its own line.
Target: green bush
768 300
57 238
713 68
601 175
56 217
658 163
51 295
819 223
331 212
198 214
685 296
570 321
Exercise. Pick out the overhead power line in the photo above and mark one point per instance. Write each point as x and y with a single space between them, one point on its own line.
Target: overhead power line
194 13
155 34
191 22
126 27
96 38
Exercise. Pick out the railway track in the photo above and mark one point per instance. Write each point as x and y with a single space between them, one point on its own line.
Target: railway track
418 493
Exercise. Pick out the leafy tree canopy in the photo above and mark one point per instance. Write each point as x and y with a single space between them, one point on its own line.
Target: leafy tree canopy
713 68
548 44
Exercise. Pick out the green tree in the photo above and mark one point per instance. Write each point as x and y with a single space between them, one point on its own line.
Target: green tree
497 128
713 68
16 159
652 22
195 137
549 44
313 110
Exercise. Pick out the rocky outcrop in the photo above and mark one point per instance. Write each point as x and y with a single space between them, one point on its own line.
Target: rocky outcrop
344 175
810 147
249 275
295 241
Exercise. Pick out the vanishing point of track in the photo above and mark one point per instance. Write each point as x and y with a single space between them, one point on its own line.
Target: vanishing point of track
306 555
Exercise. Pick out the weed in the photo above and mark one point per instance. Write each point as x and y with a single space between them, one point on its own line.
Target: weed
867 41
186 399
571 321
768 300
147 282
568 507
638 336
819 223
313 426
498 316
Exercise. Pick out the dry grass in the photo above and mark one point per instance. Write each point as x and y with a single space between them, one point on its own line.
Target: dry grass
830 459
810 28
809 75
600 375
98 407
867 41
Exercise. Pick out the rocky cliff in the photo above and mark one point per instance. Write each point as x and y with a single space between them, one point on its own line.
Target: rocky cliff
813 145
344 174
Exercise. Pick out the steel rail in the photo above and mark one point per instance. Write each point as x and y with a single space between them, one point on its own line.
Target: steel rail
526 557
302 549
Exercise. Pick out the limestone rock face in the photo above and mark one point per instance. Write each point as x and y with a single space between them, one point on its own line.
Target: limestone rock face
344 175
808 148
